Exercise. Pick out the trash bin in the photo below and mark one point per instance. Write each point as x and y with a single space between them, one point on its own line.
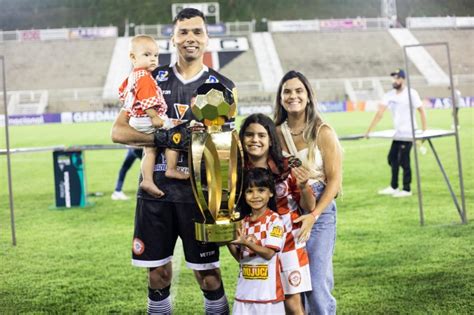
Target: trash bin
69 179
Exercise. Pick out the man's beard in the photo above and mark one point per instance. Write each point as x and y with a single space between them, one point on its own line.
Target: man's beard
190 58
397 86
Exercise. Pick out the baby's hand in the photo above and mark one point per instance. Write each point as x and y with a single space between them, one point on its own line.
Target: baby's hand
157 122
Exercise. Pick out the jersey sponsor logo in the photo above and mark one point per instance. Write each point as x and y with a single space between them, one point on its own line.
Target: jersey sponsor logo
176 137
255 272
277 231
212 79
162 168
181 109
294 278
138 247
162 76
207 254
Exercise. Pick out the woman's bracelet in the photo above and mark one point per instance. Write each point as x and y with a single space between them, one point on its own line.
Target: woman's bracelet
315 215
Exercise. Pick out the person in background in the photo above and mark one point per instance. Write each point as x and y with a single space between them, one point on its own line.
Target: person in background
130 157
397 101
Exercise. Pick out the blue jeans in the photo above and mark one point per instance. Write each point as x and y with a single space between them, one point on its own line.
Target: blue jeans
320 247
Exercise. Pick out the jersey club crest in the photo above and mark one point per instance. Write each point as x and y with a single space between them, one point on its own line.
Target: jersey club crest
181 110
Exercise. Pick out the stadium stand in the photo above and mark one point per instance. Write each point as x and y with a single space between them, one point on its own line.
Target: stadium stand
461 46
341 65
243 67
268 60
57 64
28 103
331 55
418 55
119 68
70 70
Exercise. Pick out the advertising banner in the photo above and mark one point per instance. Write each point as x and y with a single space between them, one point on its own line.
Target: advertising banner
293 26
445 102
54 34
69 179
343 24
93 32
29 35
214 45
212 29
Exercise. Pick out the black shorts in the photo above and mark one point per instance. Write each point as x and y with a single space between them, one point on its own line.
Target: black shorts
157 227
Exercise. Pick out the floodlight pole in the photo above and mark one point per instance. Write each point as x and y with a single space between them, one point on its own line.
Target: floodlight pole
412 121
7 137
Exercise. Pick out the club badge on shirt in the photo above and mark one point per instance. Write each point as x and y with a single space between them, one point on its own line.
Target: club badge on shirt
138 247
162 76
181 110
176 137
212 79
294 278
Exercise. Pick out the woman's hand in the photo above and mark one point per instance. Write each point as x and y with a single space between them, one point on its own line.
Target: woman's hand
308 221
301 174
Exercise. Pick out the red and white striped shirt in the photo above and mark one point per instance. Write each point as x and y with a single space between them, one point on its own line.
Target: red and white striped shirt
140 92
259 279
294 253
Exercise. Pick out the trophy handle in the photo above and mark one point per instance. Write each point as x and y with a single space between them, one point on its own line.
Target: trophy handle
236 163
202 146
213 176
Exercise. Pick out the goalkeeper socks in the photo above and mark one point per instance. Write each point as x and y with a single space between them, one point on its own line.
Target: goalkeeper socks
215 302
159 301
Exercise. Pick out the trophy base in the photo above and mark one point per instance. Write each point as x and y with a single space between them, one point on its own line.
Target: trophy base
223 231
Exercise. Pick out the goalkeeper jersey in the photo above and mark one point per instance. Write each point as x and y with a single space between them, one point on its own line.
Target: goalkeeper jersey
178 93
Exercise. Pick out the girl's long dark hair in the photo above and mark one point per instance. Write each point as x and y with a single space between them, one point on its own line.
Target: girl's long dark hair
267 123
258 177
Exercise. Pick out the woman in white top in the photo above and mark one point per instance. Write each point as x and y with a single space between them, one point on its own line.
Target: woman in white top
305 135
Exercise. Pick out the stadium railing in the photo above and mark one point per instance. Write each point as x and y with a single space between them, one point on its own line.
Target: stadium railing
252 91
243 28
349 24
440 22
59 33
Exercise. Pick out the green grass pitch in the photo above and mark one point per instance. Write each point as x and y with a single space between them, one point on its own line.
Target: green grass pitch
78 260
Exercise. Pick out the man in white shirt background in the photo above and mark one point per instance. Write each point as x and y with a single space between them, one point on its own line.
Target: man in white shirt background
397 101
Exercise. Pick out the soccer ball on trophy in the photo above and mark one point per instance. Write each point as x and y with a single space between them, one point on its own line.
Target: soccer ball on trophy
214 104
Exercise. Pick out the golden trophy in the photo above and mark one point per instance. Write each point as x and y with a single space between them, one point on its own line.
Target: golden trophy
216 164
